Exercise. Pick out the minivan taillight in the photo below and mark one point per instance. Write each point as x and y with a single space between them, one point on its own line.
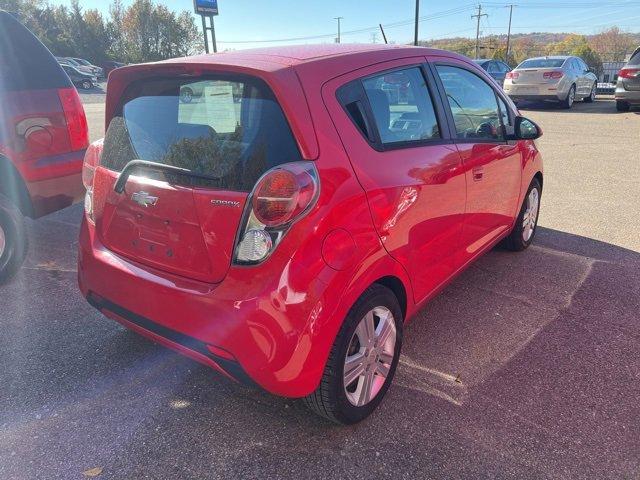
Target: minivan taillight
91 161
75 117
552 75
282 196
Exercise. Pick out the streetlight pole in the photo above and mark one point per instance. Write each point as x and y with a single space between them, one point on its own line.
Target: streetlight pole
415 35
338 19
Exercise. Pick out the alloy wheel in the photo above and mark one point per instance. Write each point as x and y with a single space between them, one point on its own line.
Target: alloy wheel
572 96
530 215
369 356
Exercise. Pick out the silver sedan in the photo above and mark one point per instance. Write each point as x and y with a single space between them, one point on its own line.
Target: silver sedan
560 79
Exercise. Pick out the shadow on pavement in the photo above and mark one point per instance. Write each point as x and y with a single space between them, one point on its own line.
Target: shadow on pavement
604 105
527 366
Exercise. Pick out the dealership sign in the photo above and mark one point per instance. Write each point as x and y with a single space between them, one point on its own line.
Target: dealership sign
206 7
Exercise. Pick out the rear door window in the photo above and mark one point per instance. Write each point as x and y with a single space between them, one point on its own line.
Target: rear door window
402 107
473 103
231 130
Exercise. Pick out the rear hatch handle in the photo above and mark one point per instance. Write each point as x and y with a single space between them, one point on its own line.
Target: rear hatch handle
158 167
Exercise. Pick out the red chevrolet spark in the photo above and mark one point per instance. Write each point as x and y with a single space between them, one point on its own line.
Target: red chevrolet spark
283 224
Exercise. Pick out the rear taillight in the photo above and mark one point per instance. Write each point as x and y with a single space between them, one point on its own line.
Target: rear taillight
281 196
75 117
552 75
91 161
513 75
629 73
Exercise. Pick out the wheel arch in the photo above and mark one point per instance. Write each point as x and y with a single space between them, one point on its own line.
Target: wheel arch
394 284
14 188
538 176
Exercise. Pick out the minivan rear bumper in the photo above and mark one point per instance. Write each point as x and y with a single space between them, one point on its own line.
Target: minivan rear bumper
253 326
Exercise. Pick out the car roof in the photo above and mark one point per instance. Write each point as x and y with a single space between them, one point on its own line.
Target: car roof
483 60
275 58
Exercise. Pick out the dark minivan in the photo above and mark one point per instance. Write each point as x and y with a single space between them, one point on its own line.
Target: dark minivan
43 138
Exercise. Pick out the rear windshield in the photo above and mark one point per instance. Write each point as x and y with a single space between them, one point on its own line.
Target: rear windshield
26 64
635 59
230 129
542 63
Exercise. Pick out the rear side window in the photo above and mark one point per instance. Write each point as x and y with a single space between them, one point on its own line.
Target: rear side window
26 64
402 106
635 59
232 130
542 63
473 103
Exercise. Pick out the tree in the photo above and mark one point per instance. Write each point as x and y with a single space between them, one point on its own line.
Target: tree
578 46
613 45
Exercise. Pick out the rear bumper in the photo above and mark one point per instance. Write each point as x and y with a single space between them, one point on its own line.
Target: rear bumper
265 325
183 344
555 92
55 194
630 96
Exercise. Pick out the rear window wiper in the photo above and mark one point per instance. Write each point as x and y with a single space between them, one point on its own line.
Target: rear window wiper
134 165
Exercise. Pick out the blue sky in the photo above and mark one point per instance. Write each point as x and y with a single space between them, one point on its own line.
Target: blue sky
250 23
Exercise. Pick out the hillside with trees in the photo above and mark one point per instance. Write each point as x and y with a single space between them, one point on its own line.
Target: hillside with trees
611 45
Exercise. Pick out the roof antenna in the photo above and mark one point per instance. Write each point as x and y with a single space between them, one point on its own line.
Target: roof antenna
383 35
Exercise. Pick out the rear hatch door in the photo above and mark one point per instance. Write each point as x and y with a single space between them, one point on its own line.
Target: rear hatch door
180 211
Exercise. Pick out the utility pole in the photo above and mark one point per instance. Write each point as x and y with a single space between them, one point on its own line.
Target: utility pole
338 19
479 15
509 33
415 35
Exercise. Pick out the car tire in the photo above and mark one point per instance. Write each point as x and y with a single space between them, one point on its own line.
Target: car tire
339 402
571 98
622 106
592 96
186 95
13 239
526 225
86 85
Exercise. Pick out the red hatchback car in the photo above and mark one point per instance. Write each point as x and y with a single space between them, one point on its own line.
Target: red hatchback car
284 226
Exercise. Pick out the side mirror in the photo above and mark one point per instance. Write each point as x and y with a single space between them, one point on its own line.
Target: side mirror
525 129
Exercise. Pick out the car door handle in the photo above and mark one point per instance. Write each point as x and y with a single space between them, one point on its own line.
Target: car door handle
478 173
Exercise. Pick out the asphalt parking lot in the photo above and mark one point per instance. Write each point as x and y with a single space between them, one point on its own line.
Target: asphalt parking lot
527 366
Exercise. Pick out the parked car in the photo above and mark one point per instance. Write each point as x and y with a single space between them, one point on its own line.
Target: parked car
559 79
496 69
43 138
86 81
285 240
107 67
628 87
72 63
97 71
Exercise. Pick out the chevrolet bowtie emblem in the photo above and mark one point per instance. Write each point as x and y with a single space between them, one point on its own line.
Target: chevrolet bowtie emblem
144 199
